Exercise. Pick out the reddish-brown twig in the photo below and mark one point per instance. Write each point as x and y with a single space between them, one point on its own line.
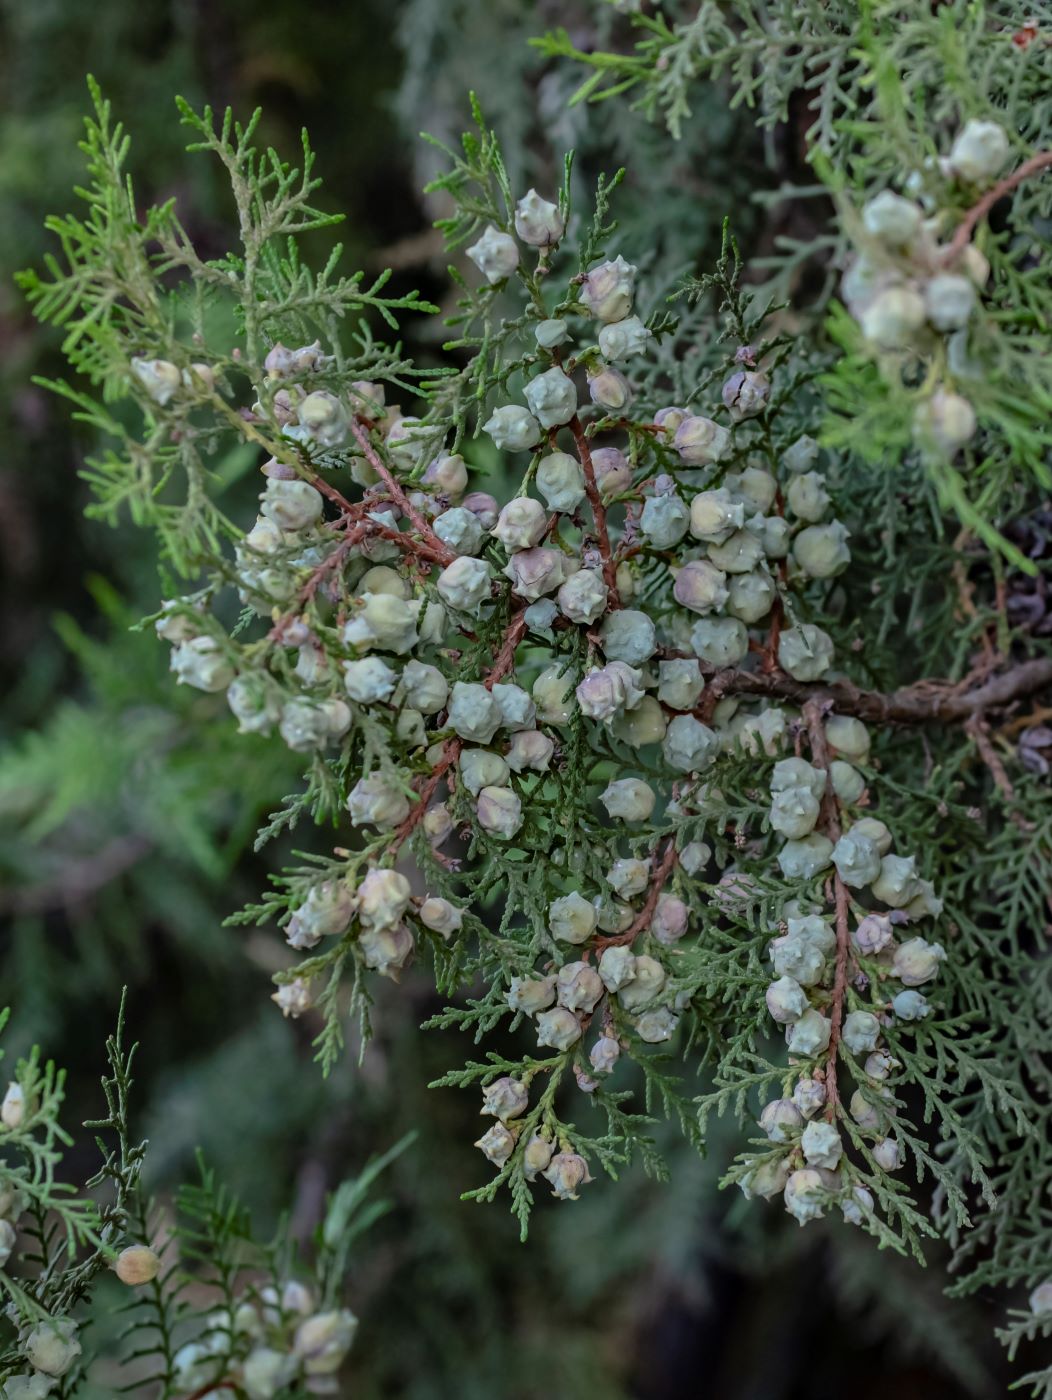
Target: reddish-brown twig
316 578
450 753
362 530
642 919
836 1014
979 731
349 509
979 210
502 664
442 553
989 755
924 702
595 501
829 821
407 543
505 657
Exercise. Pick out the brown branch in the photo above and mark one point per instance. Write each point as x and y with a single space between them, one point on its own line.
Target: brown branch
502 664
363 529
595 501
836 1014
443 554
505 657
450 753
813 714
829 820
982 207
642 919
347 508
965 594
979 731
980 734
306 592
926 702
299 463
420 548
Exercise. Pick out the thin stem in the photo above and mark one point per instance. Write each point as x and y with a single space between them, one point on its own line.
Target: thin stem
443 554
363 529
642 919
979 210
503 662
977 730
328 565
505 657
836 1015
829 821
450 753
927 701
281 452
595 501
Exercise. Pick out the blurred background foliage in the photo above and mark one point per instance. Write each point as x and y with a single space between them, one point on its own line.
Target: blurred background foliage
128 807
